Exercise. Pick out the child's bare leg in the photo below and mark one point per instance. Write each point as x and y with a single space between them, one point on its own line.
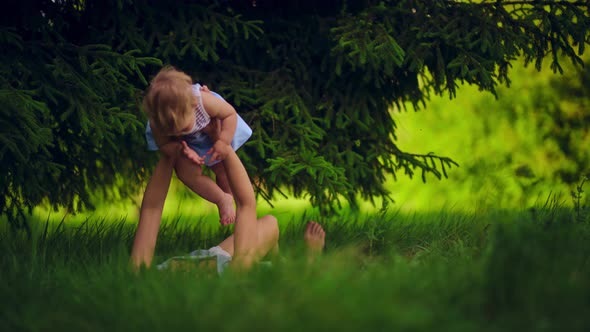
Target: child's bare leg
221 177
315 238
191 175
268 238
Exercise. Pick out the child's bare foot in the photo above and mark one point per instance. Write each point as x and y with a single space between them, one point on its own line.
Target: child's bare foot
227 213
314 237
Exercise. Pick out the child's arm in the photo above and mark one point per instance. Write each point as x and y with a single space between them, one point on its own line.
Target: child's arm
222 110
172 147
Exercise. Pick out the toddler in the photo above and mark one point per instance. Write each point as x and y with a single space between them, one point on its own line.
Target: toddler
191 126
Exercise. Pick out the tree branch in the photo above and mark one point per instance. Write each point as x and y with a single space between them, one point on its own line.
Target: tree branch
525 2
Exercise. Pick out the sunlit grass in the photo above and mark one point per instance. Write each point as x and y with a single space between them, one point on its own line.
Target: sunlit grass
494 271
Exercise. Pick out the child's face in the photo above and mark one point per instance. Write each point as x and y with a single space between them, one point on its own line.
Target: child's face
188 123
185 126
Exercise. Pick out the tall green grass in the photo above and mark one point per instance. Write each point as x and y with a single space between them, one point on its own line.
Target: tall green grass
495 271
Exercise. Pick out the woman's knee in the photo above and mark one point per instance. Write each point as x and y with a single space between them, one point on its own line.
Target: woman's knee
271 225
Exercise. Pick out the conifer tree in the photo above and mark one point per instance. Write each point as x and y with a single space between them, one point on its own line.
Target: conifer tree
318 81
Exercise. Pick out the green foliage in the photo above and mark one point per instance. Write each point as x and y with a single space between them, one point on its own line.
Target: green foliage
68 115
564 112
316 81
555 110
514 151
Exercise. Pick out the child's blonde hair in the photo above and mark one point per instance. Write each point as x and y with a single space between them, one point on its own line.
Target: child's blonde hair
169 99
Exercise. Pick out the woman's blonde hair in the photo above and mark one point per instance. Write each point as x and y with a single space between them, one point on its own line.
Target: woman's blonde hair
169 99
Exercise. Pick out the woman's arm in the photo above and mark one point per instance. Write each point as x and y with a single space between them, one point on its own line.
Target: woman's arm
245 234
151 213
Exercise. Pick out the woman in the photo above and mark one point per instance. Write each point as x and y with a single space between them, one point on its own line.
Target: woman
252 239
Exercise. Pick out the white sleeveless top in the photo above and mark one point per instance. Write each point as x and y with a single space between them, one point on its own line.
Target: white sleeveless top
202 118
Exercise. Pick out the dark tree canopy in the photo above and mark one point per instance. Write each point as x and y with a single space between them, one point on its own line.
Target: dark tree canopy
316 80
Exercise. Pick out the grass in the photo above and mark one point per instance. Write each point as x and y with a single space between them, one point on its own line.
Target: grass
494 271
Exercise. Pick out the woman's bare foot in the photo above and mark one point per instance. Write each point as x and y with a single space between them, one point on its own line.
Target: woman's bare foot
314 237
227 213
